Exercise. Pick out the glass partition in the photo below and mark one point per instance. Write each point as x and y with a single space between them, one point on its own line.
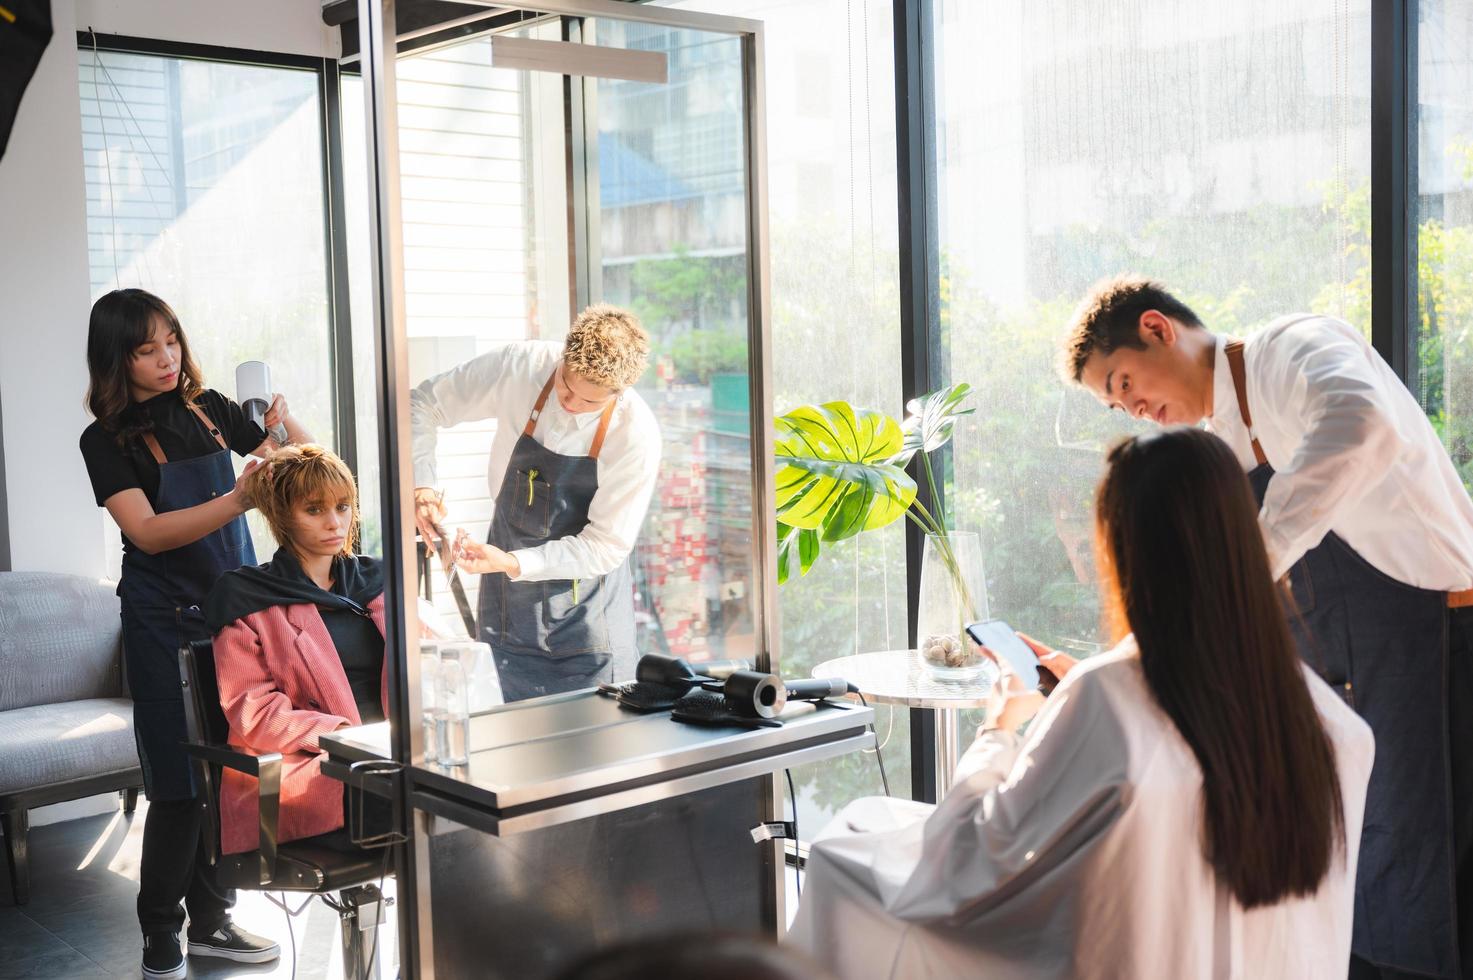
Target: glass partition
528 195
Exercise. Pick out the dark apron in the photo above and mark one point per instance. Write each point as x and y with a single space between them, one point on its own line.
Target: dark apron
1383 646
561 634
161 596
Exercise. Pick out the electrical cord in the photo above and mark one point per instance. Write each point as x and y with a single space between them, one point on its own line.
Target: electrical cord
291 933
797 864
879 755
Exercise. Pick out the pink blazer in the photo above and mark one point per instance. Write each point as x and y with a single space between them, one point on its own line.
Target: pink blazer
281 686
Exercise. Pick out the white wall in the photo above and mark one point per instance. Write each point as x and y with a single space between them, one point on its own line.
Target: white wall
53 521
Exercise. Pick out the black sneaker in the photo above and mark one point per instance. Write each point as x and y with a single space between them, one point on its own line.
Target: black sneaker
162 957
231 942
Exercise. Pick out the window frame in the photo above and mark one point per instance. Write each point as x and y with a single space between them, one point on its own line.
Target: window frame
924 363
329 125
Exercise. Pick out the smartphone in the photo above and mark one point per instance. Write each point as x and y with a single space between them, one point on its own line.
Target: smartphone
999 637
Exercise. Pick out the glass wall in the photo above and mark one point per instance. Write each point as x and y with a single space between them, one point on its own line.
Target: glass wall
1223 149
835 324
204 186
1443 382
671 237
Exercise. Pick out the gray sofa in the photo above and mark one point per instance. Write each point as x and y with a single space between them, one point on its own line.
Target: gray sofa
66 723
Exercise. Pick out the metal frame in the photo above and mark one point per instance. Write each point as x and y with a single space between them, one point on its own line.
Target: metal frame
344 402
920 313
1394 179
376 23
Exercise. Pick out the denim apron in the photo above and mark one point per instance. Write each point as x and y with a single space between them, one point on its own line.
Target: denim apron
161 596
1383 646
560 634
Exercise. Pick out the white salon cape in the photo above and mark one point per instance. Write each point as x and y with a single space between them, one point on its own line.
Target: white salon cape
1075 852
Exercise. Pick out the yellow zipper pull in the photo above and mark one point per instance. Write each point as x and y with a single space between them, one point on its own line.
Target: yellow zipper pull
531 475
575 592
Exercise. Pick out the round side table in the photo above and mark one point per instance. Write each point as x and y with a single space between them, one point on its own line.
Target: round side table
897 677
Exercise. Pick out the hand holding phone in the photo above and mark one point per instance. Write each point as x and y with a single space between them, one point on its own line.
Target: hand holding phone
1034 664
1000 639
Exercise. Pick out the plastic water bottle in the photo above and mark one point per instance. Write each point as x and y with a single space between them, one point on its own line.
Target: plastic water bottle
429 698
452 709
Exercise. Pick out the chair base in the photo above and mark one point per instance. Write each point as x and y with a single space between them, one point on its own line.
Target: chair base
360 912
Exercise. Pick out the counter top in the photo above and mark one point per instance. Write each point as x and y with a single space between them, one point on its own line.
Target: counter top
563 757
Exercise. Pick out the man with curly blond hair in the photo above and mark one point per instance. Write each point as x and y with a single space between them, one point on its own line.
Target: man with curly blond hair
571 478
1364 512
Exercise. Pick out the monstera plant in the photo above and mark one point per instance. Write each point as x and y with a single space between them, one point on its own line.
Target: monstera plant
841 471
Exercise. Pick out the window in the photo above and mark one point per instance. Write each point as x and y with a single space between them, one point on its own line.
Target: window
204 186
1224 150
835 330
1443 368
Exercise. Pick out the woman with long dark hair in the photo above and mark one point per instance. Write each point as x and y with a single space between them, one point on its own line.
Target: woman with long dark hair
1186 805
158 455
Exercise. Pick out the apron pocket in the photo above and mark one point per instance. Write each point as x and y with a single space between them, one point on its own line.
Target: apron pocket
528 504
571 624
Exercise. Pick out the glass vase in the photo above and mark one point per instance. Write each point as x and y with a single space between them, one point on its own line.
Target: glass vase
953 594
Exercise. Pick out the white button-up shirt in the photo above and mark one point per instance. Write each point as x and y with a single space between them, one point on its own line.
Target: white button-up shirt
504 384
1352 452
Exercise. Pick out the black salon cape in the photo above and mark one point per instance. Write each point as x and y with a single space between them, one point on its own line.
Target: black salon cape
282 582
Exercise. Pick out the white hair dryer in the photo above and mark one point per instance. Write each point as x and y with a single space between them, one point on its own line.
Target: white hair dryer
253 392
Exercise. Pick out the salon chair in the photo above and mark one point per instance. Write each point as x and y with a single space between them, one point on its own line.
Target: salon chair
346 881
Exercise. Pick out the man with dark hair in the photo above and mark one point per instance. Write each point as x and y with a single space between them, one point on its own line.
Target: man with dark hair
1362 508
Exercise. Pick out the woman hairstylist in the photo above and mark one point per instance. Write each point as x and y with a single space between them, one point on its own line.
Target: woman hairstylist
158 456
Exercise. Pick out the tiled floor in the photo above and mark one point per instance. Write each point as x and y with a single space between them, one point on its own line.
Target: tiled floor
80 922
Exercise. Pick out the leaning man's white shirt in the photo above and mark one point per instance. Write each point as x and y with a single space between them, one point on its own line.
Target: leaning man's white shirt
1352 452
1076 853
503 384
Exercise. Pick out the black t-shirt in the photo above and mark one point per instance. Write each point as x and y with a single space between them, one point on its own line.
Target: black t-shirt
360 647
113 468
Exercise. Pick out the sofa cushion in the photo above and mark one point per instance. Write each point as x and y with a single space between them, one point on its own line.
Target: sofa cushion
60 639
56 743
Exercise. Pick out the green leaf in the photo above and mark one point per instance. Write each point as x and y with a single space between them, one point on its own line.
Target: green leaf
837 477
793 543
931 419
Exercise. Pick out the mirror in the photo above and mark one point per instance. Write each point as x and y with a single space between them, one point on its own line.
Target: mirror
529 195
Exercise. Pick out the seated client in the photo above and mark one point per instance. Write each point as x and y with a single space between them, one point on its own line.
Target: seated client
299 643
1186 805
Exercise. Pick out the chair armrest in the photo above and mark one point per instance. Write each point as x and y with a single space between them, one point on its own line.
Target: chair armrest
266 767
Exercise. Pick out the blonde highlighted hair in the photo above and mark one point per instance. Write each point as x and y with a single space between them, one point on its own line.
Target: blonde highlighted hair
608 347
297 475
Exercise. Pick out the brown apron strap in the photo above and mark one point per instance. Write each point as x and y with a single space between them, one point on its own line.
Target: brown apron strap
153 447
531 425
1234 352
209 426
603 429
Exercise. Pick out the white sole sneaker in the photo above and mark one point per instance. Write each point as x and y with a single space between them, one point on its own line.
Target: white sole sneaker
234 955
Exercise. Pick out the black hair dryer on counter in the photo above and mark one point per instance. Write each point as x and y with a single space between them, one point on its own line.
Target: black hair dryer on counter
758 695
659 680
753 699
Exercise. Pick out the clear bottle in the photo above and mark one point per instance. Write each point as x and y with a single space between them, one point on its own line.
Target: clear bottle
429 698
452 709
